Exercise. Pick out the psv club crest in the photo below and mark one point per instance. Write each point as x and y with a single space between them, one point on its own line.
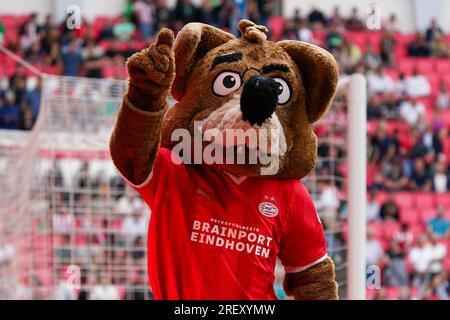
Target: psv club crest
268 209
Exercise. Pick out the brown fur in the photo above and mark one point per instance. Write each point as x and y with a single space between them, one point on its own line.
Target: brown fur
315 283
143 123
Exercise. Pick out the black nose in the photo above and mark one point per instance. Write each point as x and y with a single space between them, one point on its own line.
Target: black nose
259 99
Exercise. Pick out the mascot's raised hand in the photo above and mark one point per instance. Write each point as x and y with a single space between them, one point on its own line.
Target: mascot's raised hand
135 139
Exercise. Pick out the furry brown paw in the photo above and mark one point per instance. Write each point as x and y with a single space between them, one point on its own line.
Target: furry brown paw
153 68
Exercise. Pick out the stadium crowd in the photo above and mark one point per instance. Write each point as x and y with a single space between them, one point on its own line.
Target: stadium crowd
408 111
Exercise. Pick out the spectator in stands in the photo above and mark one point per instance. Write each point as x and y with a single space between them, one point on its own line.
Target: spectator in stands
404 237
138 251
64 290
71 58
104 289
63 252
389 210
145 13
93 60
371 59
63 220
392 23
438 252
380 143
395 266
421 179
351 55
2 33
417 85
10 114
163 15
411 110
289 31
419 47
440 285
374 250
443 97
354 22
380 83
328 203
395 179
185 11
433 30
139 287
28 32
334 40
106 33
129 203
420 258
439 48
317 19
439 225
373 207
441 180
124 30
133 226
32 99
304 32
387 48
440 134
336 18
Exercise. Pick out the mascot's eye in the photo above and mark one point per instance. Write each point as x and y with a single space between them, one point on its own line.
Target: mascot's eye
226 82
284 93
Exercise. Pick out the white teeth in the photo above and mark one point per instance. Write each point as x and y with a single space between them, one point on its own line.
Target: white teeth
269 138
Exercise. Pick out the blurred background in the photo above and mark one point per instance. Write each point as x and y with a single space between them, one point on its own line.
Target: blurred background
71 229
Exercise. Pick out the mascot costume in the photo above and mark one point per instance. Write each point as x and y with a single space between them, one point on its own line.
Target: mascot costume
218 227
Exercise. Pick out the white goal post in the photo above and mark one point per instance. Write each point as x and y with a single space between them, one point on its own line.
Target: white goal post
357 163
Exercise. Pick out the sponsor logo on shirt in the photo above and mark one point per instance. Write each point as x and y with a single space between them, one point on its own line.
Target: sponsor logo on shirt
268 209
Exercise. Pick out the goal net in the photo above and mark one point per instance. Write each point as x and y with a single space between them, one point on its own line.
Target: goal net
68 222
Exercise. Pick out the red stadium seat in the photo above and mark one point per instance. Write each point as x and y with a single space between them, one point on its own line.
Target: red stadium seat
426 214
378 229
404 199
389 229
276 26
409 216
417 229
406 65
443 66
445 117
443 199
381 197
392 293
425 65
424 200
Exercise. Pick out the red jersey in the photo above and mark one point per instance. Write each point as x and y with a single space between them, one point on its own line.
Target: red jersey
215 236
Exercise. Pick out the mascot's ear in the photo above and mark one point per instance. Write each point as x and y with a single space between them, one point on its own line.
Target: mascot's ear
191 44
319 73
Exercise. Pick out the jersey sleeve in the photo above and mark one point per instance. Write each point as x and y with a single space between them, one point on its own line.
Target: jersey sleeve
303 240
165 167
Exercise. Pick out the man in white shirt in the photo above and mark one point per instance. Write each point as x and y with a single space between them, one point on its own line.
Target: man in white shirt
412 110
145 11
374 250
380 82
373 207
105 290
129 203
134 226
420 256
304 32
438 252
417 85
